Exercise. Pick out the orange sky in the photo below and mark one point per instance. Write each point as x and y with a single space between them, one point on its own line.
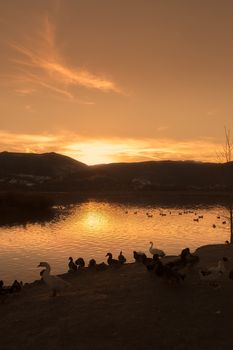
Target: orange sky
119 80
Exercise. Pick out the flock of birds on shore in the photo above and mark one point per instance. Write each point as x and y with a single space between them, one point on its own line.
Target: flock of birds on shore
174 271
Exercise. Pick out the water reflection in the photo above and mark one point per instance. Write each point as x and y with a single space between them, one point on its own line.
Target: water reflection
93 228
94 219
15 217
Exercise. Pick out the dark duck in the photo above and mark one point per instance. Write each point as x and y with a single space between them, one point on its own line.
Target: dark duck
111 261
80 263
72 267
121 258
151 263
14 288
168 273
139 256
98 267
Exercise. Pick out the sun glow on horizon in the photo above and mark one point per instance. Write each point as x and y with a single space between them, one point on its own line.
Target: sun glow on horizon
102 151
99 152
132 150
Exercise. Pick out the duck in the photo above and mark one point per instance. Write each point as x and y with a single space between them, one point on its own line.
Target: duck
156 251
139 256
188 258
168 273
221 266
180 262
92 263
80 262
231 275
111 261
41 273
121 258
1 285
71 265
151 263
215 272
99 267
145 260
14 288
55 283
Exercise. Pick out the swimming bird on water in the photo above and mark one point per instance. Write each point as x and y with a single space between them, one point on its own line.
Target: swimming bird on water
55 283
153 251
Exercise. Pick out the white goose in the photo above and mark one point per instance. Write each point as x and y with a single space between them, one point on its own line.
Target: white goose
55 283
215 273
153 251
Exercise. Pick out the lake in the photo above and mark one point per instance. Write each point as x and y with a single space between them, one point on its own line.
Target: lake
93 228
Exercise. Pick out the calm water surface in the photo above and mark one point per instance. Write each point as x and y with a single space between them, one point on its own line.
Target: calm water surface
92 229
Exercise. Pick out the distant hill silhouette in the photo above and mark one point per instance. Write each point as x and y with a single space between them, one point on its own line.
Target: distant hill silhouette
21 170
46 164
171 174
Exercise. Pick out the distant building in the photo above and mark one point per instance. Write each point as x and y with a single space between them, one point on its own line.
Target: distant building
140 183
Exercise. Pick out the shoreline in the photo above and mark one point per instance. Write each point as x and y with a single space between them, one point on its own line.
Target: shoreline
205 195
125 307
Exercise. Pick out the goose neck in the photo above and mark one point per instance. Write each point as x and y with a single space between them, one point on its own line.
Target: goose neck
47 269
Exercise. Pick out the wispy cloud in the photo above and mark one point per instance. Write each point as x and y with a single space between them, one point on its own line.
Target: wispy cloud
40 64
24 92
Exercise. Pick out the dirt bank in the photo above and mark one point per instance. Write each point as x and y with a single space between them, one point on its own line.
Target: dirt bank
124 308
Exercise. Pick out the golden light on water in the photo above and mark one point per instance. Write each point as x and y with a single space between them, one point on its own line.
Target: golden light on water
92 229
94 220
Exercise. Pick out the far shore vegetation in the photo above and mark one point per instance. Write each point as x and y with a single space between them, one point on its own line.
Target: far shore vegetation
25 200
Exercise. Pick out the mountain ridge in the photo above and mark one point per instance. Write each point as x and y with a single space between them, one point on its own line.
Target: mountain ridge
44 164
53 171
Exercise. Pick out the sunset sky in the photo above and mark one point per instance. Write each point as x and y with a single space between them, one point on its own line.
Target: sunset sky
116 80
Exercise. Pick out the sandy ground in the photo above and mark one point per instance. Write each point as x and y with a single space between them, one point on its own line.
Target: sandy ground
123 308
